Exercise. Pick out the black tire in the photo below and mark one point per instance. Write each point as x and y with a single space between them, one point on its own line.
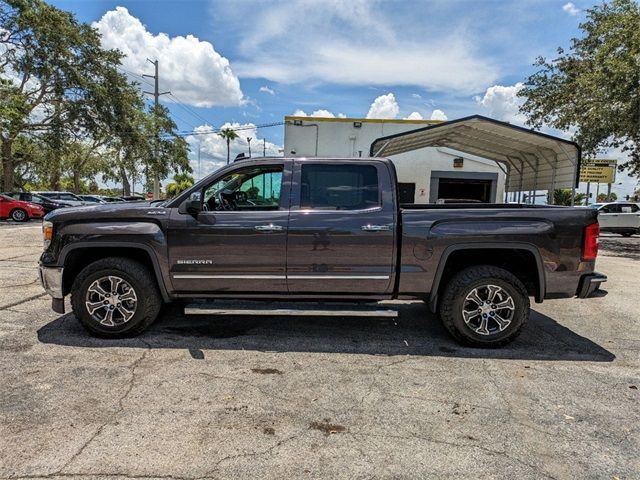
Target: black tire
140 279
19 215
627 234
462 284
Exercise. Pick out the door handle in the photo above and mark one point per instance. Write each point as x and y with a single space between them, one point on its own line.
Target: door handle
375 228
269 228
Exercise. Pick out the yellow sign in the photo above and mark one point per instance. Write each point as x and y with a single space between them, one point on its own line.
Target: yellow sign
598 171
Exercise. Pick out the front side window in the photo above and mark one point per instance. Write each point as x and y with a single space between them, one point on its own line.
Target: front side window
339 187
613 208
248 189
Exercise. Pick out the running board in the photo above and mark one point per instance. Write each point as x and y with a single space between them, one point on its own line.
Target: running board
218 308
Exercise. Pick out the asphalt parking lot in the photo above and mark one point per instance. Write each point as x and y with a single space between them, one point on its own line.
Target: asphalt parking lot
319 397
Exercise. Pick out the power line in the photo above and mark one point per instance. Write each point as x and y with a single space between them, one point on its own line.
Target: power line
236 129
188 109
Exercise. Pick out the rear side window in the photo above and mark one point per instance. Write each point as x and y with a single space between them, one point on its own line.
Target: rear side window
629 208
339 187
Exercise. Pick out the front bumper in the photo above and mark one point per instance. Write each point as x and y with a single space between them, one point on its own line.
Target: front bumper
51 279
590 283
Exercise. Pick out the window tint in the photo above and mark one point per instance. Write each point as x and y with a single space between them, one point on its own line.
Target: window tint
339 187
629 208
69 196
255 188
407 192
610 209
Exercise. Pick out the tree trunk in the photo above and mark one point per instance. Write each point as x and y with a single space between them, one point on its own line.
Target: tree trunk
54 179
76 181
7 166
126 187
228 147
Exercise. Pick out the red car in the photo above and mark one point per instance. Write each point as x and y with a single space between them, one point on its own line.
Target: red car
18 210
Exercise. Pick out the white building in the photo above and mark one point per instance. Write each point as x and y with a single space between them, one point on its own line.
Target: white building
424 175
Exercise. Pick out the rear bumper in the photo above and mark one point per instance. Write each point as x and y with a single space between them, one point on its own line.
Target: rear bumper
589 284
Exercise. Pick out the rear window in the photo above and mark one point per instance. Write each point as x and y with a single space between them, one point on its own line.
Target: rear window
339 187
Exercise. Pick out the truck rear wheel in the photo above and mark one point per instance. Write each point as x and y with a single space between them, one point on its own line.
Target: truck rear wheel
484 306
115 298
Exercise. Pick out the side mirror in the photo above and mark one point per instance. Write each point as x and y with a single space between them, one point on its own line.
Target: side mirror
194 204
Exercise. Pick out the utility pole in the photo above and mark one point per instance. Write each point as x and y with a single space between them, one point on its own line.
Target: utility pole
249 142
156 102
199 161
264 147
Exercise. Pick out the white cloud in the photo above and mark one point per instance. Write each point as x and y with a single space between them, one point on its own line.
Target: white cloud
318 113
416 95
571 9
413 116
265 89
503 103
213 148
385 106
189 68
353 43
438 115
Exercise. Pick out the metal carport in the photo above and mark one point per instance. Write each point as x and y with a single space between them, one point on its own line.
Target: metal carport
531 160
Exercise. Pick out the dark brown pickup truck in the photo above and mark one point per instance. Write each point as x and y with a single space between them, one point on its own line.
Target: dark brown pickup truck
322 231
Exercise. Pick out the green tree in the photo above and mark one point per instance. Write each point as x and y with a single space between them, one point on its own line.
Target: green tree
172 149
181 182
228 134
603 197
594 88
51 70
563 197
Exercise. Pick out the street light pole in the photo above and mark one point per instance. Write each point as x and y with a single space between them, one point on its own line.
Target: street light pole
249 142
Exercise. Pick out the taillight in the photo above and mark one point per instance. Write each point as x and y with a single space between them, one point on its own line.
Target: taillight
590 246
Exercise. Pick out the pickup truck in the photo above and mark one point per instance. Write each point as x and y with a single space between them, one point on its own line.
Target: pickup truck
318 230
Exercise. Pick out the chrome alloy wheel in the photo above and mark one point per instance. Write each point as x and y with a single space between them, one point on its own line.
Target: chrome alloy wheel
19 215
111 301
488 309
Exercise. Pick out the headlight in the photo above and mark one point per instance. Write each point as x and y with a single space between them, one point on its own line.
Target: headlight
47 233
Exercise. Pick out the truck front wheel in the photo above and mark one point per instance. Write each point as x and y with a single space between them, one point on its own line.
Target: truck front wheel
115 298
484 306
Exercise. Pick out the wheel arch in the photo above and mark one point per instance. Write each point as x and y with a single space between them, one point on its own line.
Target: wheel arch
457 257
19 208
77 256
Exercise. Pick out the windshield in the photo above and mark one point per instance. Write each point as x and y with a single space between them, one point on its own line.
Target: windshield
596 205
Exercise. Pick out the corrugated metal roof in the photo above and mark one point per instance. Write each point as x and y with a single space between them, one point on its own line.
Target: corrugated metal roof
532 160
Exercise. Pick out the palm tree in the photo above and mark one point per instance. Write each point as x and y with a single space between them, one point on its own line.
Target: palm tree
563 197
228 134
181 181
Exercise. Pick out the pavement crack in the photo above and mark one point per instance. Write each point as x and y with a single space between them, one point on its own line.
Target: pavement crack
24 300
113 416
502 453
249 454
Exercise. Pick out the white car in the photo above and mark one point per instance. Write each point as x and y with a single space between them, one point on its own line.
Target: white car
618 217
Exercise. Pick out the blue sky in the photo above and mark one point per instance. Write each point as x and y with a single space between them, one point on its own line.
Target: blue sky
253 62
